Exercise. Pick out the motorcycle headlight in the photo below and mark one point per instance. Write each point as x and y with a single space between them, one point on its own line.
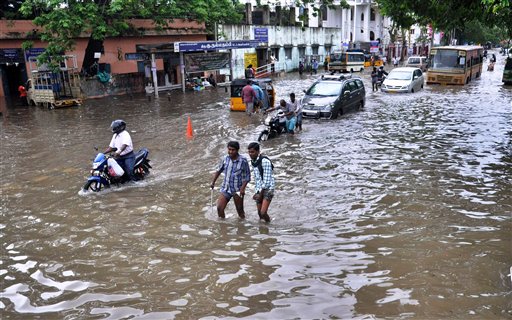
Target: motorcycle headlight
95 165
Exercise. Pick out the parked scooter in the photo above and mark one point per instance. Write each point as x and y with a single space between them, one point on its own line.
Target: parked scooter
276 124
105 170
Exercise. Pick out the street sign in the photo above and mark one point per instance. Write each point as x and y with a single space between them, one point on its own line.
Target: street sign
214 45
261 34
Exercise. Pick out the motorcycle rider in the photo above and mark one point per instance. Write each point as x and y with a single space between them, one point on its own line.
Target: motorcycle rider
380 75
124 154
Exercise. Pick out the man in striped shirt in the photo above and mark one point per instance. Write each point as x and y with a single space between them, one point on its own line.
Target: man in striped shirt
236 176
263 179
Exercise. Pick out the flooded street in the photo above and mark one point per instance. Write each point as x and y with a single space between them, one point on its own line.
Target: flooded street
401 210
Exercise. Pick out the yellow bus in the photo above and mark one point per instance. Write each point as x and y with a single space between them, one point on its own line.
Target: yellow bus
455 64
350 61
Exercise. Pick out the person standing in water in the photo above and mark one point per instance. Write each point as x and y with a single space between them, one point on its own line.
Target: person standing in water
236 176
263 179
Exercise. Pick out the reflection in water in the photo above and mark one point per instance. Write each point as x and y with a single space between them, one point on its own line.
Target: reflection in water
399 210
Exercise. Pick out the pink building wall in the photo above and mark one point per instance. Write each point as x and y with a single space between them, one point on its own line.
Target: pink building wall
14 33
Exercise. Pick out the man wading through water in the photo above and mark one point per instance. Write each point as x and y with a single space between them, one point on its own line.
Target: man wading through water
263 179
236 176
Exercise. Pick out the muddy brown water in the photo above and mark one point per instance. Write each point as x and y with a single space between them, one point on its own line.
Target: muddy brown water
401 210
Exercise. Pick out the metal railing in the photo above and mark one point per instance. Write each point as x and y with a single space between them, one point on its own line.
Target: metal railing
269 70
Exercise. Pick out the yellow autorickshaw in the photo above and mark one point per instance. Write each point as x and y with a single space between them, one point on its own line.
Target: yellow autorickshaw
377 61
265 84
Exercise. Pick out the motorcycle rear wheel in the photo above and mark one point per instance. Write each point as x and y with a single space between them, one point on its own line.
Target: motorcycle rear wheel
94 186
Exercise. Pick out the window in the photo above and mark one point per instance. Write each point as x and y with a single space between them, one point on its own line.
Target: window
372 14
372 36
288 52
362 16
324 12
302 52
351 14
360 84
315 50
411 31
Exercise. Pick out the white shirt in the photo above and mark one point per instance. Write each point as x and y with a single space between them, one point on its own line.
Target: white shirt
118 139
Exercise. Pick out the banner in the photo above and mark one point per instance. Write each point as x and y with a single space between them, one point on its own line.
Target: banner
197 62
251 58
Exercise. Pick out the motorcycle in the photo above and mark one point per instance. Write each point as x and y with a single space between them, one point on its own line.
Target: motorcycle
276 124
104 171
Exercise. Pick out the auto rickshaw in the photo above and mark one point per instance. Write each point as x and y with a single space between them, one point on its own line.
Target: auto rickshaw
377 61
265 84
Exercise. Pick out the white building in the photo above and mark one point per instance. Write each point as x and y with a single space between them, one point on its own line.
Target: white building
291 40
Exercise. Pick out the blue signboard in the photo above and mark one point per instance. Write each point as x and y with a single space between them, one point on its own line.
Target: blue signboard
33 53
13 55
214 45
261 34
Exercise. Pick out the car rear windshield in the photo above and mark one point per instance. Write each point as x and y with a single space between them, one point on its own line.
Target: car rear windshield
325 89
414 61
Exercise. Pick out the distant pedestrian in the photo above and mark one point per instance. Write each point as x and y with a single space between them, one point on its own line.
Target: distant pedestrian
395 62
375 79
272 61
263 180
236 176
315 66
326 64
211 80
249 72
23 95
301 67
260 96
248 97
298 111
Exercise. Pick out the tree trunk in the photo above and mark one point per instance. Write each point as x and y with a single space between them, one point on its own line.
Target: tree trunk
90 63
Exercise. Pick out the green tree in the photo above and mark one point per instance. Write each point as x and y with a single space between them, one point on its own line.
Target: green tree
62 21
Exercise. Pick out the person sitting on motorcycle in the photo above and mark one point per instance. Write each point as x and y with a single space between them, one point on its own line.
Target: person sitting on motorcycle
291 117
122 143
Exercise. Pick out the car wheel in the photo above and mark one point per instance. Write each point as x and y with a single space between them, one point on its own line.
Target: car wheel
361 105
412 90
334 115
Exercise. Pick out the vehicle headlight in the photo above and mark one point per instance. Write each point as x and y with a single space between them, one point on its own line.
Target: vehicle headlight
328 107
405 87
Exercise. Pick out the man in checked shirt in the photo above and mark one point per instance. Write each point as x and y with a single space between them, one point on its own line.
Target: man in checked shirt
264 180
236 176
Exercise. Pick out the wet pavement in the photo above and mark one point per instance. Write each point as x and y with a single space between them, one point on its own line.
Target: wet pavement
401 210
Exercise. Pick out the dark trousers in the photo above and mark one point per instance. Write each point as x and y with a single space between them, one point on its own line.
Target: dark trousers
127 162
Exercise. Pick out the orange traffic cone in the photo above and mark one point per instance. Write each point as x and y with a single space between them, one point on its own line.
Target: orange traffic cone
189 128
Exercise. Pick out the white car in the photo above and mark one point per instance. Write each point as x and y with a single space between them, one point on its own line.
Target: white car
403 80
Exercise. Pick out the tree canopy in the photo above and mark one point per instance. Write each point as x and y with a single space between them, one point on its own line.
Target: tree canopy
62 21
449 15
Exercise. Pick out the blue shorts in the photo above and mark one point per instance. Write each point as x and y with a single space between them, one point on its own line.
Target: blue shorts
228 195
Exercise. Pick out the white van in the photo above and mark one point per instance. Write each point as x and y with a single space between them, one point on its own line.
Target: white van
418 62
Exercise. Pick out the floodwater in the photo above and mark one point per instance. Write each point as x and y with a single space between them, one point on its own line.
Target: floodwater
399 211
